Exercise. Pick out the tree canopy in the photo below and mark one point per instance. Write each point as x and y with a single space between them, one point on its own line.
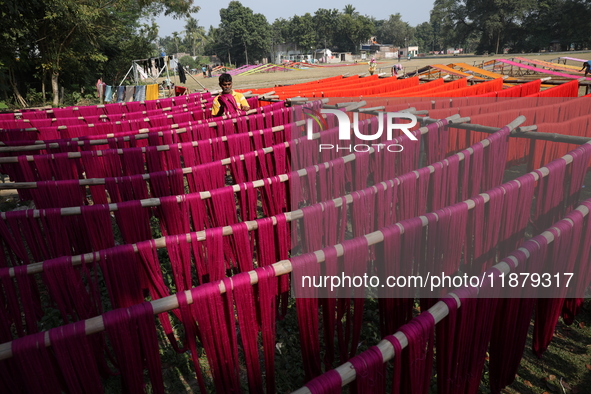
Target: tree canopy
72 43
54 44
242 36
515 25
395 31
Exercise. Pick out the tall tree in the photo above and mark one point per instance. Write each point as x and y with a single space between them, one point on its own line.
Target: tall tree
195 34
424 37
442 25
212 42
244 34
118 42
492 20
555 21
302 32
57 27
18 35
175 39
395 31
279 35
353 30
56 35
326 24
350 10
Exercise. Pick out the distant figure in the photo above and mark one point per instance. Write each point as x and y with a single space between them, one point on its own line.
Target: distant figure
209 70
228 102
399 56
167 84
409 56
204 71
586 67
372 66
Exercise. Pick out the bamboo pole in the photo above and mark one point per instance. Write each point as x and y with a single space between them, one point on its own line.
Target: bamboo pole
150 202
141 134
159 148
106 117
50 110
103 141
155 202
523 132
527 132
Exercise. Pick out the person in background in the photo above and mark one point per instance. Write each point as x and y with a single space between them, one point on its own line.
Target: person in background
396 68
409 56
204 71
586 67
372 66
209 71
228 102
168 87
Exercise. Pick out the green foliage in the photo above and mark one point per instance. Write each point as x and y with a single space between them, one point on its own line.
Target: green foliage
280 31
326 23
60 43
188 61
494 20
175 43
448 19
35 98
243 36
350 10
425 37
195 34
55 44
303 32
395 31
326 29
523 25
202 60
354 29
174 8
562 21
80 98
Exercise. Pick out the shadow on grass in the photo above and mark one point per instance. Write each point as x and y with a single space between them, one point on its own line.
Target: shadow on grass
564 367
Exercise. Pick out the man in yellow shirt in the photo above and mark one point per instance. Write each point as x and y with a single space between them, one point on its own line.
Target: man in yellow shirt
228 102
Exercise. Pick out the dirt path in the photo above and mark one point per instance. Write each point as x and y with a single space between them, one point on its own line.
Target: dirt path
271 79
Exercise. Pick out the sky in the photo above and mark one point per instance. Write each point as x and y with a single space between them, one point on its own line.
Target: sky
414 12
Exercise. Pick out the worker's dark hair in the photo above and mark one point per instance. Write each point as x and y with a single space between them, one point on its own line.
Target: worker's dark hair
225 77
